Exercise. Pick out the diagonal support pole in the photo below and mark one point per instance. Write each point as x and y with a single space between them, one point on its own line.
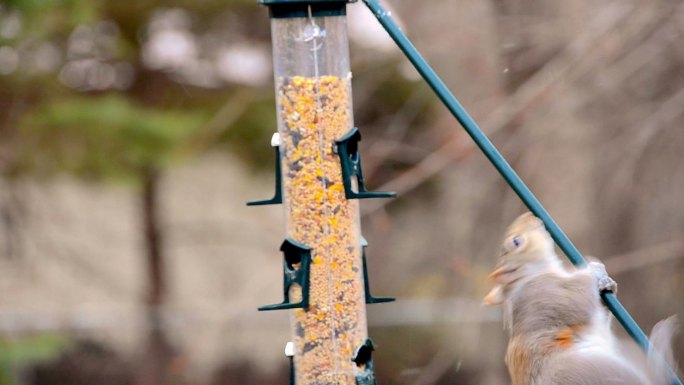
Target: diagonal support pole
506 171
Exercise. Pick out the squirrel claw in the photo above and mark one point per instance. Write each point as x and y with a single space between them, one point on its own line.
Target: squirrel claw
603 281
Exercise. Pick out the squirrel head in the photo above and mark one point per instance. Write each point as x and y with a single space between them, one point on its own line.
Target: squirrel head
526 249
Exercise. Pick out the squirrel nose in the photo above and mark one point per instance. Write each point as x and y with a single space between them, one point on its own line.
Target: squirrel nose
499 275
496 274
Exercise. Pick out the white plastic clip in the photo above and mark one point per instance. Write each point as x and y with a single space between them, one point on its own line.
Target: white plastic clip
275 140
289 349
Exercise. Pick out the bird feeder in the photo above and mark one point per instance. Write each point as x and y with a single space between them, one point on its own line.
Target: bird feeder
319 182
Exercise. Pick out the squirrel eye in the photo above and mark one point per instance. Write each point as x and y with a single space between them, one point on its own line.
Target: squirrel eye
517 241
513 243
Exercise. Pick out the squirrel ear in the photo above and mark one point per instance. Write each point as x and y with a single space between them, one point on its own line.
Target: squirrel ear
494 297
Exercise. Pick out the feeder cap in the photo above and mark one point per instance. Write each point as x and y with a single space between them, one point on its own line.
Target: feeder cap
284 9
272 2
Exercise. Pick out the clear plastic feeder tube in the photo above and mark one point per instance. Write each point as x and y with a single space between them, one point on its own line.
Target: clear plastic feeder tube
314 108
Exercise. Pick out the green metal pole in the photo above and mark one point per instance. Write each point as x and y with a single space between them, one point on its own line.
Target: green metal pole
502 166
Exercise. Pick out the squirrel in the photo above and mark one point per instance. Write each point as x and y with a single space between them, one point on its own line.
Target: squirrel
559 331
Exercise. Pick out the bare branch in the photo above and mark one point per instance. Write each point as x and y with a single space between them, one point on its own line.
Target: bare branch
641 258
568 65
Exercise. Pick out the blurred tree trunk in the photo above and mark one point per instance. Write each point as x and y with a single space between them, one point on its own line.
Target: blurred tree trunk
158 352
153 237
12 205
10 219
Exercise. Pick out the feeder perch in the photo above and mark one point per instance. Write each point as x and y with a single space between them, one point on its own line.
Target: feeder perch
350 160
278 196
364 361
369 298
296 263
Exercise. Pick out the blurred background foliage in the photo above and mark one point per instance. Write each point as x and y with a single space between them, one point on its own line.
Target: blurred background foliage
101 138
131 133
29 350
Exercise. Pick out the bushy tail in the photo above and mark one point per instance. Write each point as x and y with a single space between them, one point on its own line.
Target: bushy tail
660 357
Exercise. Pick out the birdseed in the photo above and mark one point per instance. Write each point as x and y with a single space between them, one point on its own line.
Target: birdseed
313 113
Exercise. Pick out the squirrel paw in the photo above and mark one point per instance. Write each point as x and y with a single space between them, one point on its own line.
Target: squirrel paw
603 280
